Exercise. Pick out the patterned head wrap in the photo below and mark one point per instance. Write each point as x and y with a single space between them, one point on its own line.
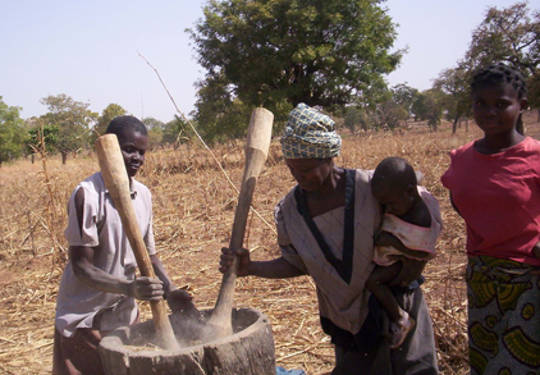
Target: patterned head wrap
309 134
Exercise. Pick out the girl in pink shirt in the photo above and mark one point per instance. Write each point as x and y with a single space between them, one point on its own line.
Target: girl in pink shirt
494 185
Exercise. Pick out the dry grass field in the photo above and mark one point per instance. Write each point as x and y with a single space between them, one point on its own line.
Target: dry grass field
193 214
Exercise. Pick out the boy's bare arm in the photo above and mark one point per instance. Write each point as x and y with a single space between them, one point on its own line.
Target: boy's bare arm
141 288
83 267
81 261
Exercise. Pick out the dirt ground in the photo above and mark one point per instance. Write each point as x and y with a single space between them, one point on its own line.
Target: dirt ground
193 215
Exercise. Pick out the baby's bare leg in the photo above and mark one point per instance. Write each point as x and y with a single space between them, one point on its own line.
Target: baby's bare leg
377 284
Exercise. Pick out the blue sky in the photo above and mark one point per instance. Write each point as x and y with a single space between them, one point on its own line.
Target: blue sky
88 49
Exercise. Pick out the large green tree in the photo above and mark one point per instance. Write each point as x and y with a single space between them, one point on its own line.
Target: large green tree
12 134
219 114
73 119
277 53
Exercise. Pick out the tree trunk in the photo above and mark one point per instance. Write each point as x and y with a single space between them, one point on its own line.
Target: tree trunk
64 156
454 125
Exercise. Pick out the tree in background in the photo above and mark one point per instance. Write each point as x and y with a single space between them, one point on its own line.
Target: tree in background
42 138
219 114
111 111
176 132
155 131
428 107
508 35
277 53
405 96
455 85
389 113
354 118
12 134
534 92
73 120
380 108
385 109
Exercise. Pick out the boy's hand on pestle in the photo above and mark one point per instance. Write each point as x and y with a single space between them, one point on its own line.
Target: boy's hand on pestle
227 257
146 288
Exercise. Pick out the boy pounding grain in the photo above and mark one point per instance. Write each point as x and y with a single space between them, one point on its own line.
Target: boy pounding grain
99 285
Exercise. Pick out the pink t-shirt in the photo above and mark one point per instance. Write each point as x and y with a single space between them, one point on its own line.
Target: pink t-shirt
498 195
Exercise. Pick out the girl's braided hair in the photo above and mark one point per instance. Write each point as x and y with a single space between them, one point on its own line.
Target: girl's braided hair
501 73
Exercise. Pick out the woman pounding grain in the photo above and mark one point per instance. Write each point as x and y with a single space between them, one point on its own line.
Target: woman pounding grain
99 286
326 225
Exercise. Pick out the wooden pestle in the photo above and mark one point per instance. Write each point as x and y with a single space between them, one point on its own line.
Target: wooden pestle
257 145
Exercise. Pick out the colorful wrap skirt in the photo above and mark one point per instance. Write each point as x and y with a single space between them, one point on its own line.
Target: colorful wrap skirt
504 317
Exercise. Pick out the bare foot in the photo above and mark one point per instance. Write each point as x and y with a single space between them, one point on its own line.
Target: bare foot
401 329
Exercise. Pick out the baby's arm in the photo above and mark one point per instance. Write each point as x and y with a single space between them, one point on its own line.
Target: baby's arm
388 239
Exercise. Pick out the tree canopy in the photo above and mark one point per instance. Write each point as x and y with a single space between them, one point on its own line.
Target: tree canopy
73 119
507 35
42 137
277 53
12 134
510 35
454 83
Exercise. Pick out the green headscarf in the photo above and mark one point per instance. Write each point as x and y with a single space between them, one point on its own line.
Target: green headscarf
309 134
